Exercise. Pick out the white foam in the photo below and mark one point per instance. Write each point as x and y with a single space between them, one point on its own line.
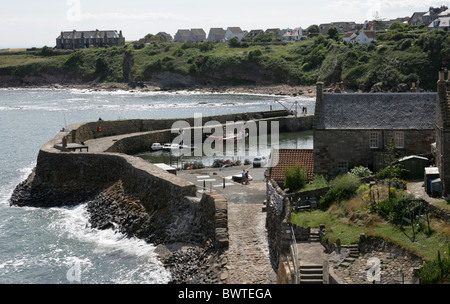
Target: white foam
74 222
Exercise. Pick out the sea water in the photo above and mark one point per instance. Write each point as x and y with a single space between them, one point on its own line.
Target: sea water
57 245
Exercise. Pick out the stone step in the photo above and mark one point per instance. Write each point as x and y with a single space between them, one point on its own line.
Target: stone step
314 237
311 281
345 264
308 271
311 277
351 246
349 259
310 266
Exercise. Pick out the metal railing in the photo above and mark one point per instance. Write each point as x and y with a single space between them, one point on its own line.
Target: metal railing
294 256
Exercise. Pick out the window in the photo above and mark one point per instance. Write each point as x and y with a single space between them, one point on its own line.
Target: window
374 140
399 140
343 167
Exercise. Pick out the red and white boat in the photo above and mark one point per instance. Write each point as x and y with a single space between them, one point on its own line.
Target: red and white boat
229 137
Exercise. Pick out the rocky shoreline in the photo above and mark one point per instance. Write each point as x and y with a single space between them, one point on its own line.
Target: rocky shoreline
195 261
280 90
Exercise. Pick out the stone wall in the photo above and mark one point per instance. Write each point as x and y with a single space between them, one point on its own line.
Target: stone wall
215 219
90 130
277 209
332 146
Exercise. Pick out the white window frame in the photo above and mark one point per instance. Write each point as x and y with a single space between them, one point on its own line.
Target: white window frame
374 140
399 139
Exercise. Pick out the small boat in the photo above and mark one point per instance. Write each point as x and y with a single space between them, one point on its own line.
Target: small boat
186 147
170 147
156 147
229 137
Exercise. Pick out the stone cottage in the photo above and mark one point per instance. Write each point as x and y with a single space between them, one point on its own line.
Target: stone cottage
216 34
358 129
182 36
86 39
442 146
197 35
234 32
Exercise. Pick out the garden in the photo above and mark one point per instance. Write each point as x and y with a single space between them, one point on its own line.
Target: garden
378 205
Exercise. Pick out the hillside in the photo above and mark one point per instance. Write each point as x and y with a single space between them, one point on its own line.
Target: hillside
402 55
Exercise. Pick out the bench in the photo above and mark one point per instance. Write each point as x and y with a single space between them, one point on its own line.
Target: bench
71 147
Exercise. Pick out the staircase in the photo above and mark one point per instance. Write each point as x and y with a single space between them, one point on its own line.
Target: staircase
354 254
314 236
311 274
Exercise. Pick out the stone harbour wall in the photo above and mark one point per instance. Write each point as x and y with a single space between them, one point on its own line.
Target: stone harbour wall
137 198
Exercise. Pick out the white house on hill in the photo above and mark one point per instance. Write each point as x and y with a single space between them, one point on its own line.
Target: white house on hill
234 32
365 37
294 35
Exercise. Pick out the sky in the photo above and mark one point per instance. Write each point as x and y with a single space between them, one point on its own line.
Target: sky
31 23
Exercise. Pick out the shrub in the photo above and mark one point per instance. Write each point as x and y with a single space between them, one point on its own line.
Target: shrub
234 43
361 171
295 178
342 187
254 55
392 172
318 182
437 270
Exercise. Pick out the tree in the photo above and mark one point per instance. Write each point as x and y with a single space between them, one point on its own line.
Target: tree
295 178
333 33
234 42
313 30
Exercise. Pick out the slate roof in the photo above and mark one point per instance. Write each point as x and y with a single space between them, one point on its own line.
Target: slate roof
219 33
88 34
289 158
197 35
182 35
235 30
377 111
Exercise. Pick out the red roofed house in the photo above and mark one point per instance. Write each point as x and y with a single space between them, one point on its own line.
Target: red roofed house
349 38
285 158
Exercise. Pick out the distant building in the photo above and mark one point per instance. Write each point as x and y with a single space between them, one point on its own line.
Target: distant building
419 18
416 18
234 32
294 35
342 27
182 36
358 129
254 33
87 39
349 38
275 31
197 35
442 23
216 35
366 37
166 37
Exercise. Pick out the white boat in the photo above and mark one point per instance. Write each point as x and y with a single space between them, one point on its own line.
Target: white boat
228 138
170 147
156 147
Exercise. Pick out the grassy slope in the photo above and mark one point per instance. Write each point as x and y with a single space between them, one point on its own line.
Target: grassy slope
348 219
401 56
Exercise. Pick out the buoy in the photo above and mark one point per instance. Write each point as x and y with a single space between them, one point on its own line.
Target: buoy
99 129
